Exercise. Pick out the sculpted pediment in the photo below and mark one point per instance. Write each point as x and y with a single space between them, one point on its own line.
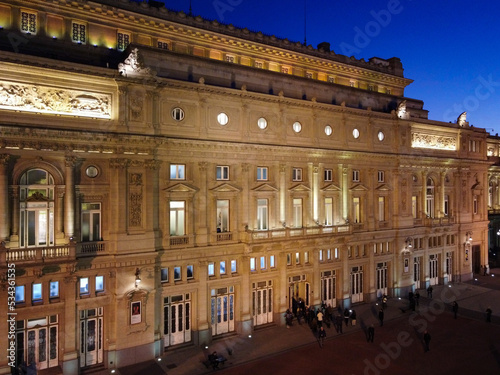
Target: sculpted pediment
359 187
225 188
331 187
383 187
134 66
265 188
300 187
181 188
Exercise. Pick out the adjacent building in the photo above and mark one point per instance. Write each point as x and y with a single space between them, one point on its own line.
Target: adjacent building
168 180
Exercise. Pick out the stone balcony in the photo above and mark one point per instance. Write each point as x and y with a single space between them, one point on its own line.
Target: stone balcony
35 255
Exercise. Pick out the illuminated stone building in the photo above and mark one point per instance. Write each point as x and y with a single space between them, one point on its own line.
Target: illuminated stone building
167 180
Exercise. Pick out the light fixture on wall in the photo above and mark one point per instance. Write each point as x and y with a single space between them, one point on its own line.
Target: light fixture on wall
468 236
409 242
137 277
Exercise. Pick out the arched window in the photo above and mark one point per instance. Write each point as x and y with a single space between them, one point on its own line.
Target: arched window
36 208
429 208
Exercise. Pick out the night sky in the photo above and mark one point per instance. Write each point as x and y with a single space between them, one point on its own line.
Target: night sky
450 48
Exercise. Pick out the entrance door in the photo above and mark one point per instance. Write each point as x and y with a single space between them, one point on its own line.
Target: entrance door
433 270
222 310
37 347
381 279
328 285
416 272
357 284
448 266
91 348
262 302
476 258
176 319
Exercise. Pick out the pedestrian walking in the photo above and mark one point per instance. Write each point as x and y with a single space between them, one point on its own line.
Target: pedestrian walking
347 315
488 315
417 297
427 340
455 308
321 336
429 291
384 301
338 323
353 317
371 333
319 317
381 317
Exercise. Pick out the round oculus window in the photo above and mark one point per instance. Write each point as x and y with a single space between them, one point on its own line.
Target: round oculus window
222 119
91 171
355 133
178 114
328 130
381 136
262 123
297 127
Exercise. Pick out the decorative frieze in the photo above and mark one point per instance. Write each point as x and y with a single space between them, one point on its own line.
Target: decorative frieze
438 142
58 101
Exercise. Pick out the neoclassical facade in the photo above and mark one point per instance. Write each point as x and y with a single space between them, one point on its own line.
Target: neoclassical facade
168 180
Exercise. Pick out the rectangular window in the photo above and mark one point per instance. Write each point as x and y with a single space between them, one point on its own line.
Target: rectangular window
370 87
28 22
84 285
211 269
271 261
177 217
79 33
222 172
122 40
336 253
297 213
297 258
233 266
36 292
328 175
297 174
190 271
288 259
177 273
356 210
222 216
259 64
20 294
164 275
177 172
328 211
262 263
329 254
306 257
261 173
163 45
331 79
414 210
309 75
355 175
54 289
285 69
252 264
222 267
99 283
474 205
321 255
262 214
446 204
381 208
230 58
91 222
380 176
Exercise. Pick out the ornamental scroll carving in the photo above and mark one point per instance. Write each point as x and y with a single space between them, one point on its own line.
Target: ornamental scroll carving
135 182
438 142
44 99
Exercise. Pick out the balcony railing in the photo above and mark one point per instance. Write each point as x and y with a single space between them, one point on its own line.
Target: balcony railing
39 254
225 236
298 232
90 248
179 240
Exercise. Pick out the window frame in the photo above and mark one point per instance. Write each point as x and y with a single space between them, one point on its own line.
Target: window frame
222 173
178 172
296 174
355 175
262 174
122 45
27 28
79 38
328 175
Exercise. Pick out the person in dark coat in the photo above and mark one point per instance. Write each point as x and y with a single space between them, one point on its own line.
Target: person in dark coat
381 317
338 323
347 315
455 308
427 340
371 333
417 297
488 315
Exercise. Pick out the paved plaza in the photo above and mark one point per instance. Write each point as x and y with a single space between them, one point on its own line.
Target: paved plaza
464 345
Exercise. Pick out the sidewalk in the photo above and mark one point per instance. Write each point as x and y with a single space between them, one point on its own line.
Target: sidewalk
473 298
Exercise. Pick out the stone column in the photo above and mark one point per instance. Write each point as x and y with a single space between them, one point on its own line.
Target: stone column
345 193
15 214
59 214
201 203
69 198
4 198
282 193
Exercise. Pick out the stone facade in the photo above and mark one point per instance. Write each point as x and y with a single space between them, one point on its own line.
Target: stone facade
167 180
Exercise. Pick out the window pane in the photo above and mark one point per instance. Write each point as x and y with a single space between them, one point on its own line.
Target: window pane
20 293
84 285
99 283
37 292
54 289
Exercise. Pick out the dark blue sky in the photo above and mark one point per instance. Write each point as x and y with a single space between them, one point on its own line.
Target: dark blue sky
450 48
